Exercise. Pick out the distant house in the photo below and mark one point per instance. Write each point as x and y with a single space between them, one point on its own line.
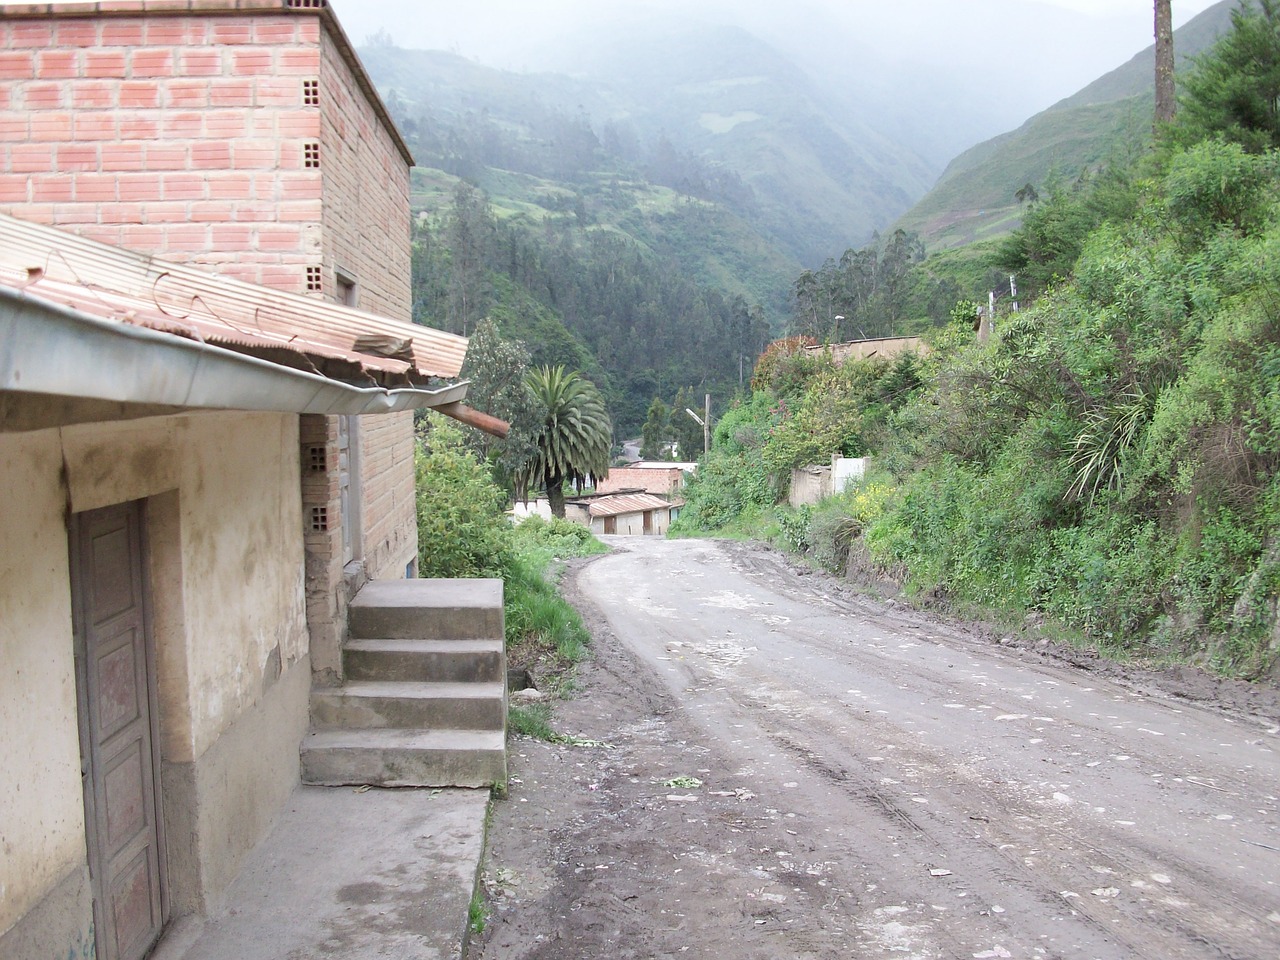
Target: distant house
631 513
658 477
815 482
884 347
207 380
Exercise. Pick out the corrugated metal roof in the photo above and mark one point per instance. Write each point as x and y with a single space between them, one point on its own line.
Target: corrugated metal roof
54 351
309 334
681 465
618 504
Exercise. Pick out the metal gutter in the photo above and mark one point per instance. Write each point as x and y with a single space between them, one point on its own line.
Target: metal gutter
47 348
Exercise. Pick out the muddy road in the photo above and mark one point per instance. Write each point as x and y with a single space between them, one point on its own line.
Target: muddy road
760 764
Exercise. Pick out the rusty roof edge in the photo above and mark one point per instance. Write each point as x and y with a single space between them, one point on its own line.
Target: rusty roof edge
28 245
219 8
47 348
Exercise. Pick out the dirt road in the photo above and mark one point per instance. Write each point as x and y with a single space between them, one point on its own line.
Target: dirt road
763 765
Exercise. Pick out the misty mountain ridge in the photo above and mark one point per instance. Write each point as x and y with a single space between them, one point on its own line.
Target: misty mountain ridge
1106 121
822 177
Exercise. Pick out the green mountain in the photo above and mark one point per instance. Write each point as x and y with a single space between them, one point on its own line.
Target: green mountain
822 175
711 112
1106 120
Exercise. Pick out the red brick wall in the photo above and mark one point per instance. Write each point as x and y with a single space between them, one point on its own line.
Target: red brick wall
366 235
661 481
389 518
366 191
181 136
245 143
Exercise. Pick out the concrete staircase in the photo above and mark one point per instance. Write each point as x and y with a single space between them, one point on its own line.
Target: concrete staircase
424 700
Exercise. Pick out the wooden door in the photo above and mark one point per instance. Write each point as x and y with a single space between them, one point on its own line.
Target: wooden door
117 730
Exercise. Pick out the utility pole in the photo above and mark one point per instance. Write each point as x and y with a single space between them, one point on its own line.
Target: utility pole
706 426
705 422
1166 95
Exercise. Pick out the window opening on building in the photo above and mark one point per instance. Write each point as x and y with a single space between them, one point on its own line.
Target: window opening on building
347 288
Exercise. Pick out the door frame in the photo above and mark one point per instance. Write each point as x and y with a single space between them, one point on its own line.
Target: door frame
136 509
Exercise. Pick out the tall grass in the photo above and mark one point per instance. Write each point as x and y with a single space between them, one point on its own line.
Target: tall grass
543 630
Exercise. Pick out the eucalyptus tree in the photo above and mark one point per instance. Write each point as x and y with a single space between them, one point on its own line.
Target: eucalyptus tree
573 438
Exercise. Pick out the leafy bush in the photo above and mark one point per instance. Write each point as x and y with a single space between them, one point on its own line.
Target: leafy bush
794 528
556 538
732 480
463 530
543 630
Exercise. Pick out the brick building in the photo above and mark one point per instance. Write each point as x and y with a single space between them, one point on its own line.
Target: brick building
240 137
246 137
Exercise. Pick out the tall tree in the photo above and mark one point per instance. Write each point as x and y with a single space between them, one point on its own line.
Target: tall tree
1166 97
574 436
469 232
497 369
656 432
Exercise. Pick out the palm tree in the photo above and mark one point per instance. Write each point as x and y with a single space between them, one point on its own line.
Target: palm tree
574 437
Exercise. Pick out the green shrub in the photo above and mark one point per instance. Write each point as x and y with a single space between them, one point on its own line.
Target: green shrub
793 526
558 538
463 530
541 627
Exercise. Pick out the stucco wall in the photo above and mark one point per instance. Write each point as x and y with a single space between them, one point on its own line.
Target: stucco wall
632 524
229 628
809 485
41 810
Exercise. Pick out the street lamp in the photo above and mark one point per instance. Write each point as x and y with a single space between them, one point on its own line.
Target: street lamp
705 423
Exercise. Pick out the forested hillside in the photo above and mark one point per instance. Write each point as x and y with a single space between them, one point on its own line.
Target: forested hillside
1107 463
645 219
710 112
593 300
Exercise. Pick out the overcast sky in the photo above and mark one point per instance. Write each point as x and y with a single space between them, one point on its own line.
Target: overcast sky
496 32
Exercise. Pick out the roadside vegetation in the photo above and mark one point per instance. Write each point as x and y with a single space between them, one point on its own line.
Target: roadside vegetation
465 531
1108 460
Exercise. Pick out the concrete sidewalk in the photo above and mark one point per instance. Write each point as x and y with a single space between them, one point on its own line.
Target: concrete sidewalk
350 875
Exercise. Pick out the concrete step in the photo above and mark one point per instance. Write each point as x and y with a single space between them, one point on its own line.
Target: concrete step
405 758
444 661
366 704
427 610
